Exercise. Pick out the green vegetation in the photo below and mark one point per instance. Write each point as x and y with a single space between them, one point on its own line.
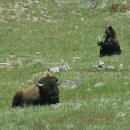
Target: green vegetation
36 35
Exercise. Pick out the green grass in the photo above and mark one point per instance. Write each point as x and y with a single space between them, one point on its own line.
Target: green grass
60 32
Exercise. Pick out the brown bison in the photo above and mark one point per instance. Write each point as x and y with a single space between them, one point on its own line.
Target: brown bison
45 91
110 45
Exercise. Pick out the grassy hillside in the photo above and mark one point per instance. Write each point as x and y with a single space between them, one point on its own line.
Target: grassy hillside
36 35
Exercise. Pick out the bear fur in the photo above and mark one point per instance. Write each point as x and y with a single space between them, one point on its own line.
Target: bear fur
110 45
45 91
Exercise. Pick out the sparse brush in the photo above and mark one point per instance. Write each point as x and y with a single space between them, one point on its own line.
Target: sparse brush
119 7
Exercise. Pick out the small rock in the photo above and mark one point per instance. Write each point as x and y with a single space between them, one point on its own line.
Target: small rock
36 2
76 58
82 19
100 64
127 103
35 19
3 65
72 84
111 67
38 53
54 69
99 84
64 66
122 114
59 5
121 66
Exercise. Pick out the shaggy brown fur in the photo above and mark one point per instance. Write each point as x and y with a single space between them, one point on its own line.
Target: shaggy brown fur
44 92
110 45
28 96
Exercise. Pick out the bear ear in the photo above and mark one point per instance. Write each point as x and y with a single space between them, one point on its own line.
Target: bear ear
110 27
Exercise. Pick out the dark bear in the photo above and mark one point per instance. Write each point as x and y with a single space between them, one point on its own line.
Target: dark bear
110 45
45 91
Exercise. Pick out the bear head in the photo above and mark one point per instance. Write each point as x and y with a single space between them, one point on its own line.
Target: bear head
109 32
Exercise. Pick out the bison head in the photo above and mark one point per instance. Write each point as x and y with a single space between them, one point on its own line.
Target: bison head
49 91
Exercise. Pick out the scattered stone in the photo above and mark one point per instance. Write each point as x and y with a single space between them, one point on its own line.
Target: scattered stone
121 114
72 84
38 53
35 19
66 1
36 1
90 4
76 58
101 64
99 84
82 19
4 65
59 5
64 66
19 8
121 67
127 103
110 67
93 3
54 69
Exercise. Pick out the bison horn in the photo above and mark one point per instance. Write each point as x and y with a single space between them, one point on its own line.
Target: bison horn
39 85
